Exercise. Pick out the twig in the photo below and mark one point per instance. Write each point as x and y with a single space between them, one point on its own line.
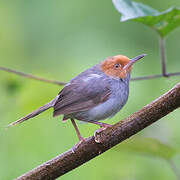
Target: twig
155 76
174 169
163 56
104 140
63 83
31 76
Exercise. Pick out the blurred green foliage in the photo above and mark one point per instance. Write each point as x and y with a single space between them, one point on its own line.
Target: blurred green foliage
162 22
149 146
58 40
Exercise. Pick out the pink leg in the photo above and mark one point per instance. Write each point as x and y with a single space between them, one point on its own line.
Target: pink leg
77 130
81 139
103 125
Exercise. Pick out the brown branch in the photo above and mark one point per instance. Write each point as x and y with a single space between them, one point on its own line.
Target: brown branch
94 146
31 76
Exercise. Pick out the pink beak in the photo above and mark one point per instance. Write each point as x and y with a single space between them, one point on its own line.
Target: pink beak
133 60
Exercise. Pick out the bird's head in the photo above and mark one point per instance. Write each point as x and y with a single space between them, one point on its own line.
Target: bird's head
119 66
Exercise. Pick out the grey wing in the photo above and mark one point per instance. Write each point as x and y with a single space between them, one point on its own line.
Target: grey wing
80 96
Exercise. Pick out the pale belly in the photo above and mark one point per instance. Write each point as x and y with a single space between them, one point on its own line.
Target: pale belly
105 110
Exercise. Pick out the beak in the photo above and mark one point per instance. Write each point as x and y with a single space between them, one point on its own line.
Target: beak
133 60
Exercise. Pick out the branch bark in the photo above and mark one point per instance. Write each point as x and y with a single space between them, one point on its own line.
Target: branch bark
104 140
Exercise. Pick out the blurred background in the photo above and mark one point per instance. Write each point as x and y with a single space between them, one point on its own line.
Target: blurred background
57 40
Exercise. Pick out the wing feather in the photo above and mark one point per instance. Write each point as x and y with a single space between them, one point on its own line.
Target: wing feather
80 95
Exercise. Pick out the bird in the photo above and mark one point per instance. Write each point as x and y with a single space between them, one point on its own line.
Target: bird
95 94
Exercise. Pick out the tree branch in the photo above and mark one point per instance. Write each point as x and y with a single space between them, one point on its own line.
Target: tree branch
31 76
104 140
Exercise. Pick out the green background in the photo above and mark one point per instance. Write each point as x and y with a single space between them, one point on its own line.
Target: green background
57 40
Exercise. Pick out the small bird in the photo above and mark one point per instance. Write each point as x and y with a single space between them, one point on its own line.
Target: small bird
93 95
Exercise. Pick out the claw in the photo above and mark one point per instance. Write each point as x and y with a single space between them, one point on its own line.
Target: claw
77 145
97 133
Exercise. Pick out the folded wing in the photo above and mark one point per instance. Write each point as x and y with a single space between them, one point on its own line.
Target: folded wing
81 95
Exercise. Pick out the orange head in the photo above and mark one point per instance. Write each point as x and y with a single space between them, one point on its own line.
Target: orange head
119 66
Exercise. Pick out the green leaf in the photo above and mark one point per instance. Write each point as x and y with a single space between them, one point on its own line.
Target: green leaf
149 146
162 22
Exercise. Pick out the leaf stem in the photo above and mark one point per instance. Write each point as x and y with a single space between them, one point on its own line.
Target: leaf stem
163 56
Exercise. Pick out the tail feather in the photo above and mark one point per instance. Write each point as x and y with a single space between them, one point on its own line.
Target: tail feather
34 113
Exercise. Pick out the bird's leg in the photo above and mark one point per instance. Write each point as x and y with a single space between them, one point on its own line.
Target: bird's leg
103 125
81 139
77 131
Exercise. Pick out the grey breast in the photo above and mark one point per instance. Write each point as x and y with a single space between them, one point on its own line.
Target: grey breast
119 95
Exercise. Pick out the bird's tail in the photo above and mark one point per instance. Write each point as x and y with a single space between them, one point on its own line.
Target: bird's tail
34 113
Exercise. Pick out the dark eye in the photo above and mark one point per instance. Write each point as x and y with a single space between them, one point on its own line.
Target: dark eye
117 66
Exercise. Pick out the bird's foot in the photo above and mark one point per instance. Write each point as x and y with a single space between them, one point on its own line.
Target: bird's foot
98 131
103 125
81 140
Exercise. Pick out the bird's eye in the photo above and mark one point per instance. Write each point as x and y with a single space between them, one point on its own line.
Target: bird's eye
117 66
